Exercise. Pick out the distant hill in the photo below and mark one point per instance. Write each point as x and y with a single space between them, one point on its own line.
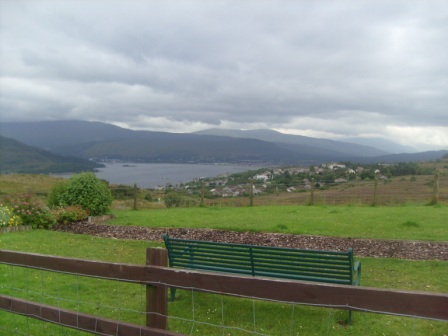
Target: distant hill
344 148
382 144
52 135
16 157
410 157
104 141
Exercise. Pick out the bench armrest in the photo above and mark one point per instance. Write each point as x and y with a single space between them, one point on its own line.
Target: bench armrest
357 273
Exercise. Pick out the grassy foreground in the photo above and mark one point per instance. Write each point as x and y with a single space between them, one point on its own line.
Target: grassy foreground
124 301
400 222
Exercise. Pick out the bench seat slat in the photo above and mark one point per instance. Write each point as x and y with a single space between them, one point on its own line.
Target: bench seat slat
197 262
216 260
281 268
306 268
299 264
315 273
186 242
267 250
298 260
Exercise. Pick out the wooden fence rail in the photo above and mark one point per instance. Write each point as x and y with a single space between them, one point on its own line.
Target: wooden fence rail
76 320
158 278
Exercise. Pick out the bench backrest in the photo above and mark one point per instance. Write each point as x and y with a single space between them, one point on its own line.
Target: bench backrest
264 261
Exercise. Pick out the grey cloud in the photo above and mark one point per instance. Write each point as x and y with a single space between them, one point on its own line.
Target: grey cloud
201 63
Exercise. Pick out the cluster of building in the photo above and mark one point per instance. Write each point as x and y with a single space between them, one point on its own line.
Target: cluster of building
220 187
224 186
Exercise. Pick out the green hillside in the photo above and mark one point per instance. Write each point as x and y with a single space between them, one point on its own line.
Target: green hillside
16 157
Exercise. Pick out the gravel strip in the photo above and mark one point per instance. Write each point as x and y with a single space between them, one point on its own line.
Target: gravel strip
377 248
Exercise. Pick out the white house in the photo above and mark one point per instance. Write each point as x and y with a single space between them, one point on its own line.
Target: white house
261 177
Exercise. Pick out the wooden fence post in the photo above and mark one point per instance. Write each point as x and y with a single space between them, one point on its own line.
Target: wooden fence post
135 197
202 193
435 191
375 192
312 192
157 295
251 181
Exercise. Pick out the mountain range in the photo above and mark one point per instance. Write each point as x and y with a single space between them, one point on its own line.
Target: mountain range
101 141
16 157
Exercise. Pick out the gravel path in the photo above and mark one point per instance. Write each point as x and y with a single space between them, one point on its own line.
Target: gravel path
380 248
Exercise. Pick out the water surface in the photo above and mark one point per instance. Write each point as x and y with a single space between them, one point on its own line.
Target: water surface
152 175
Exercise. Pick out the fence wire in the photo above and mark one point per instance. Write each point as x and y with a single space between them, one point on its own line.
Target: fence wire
194 312
420 190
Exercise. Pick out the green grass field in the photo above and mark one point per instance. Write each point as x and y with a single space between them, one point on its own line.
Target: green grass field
402 222
103 296
124 301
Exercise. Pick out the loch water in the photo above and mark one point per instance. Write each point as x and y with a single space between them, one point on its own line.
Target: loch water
152 175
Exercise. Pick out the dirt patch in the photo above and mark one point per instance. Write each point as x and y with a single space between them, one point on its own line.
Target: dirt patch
378 248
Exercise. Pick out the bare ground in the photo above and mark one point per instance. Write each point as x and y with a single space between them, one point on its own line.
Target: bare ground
378 248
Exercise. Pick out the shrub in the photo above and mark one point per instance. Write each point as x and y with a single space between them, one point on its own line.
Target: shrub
85 190
30 211
43 220
172 199
8 218
73 213
122 192
55 197
148 197
175 199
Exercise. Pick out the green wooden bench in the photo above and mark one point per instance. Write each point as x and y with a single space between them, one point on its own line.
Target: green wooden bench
264 261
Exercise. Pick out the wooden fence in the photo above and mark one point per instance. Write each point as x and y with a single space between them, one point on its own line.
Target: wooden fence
158 277
422 189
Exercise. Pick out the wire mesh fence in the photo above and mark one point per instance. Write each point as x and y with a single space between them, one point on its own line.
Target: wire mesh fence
410 190
106 298
402 190
195 311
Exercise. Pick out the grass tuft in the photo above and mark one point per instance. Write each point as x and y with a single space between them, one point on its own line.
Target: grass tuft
410 224
281 227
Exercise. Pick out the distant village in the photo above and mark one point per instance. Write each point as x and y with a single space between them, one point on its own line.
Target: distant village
290 179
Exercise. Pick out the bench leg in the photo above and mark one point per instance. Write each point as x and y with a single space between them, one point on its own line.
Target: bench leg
350 317
173 293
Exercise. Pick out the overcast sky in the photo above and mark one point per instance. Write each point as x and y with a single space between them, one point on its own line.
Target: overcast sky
328 69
